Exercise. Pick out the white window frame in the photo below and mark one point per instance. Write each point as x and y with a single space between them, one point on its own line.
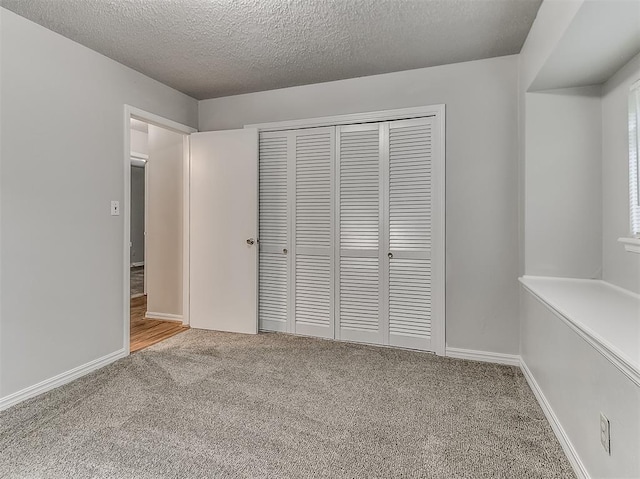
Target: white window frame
634 157
632 244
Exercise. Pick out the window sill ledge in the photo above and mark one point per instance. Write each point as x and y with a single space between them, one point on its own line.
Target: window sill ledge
632 245
604 315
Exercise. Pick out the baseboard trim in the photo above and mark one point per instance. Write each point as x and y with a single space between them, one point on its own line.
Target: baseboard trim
59 380
569 451
139 263
163 316
483 356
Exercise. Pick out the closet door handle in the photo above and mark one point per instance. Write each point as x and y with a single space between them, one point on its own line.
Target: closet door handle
390 255
285 251
250 241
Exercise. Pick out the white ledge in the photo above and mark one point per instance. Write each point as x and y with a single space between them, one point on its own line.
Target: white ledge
604 315
632 245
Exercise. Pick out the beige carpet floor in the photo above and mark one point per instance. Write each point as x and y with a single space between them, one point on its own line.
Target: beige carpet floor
217 405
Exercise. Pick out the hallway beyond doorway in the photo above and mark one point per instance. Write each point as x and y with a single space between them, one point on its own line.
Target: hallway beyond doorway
145 332
137 281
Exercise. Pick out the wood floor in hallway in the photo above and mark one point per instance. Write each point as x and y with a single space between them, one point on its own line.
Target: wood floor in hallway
145 332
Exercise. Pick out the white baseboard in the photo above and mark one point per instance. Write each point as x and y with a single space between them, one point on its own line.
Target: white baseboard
135 265
138 295
563 439
60 379
163 316
484 356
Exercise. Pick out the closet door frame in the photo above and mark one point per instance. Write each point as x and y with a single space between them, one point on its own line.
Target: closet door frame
438 198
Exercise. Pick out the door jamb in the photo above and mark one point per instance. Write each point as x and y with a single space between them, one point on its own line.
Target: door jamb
151 118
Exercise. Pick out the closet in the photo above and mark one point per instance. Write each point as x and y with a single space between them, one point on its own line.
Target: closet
351 220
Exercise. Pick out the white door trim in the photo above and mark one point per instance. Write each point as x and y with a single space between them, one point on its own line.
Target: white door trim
133 112
364 117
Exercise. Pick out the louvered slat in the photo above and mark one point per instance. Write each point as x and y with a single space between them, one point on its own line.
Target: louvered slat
314 158
273 288
313 290
313 188
273 265
359 194
273 190
410 297
410 223
359 189
410 188
359 294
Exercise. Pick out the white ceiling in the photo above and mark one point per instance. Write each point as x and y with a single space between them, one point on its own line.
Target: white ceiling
213 48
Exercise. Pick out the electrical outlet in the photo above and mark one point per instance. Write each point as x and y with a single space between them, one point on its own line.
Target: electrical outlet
605 433
115 208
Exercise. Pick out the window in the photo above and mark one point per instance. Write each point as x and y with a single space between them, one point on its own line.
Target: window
634 160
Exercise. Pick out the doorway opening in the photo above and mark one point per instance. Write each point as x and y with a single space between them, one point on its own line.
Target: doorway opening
156 229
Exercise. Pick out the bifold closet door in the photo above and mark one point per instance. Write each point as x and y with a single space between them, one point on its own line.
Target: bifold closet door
359 287
410 219
350 218
274 290
312 257
296 231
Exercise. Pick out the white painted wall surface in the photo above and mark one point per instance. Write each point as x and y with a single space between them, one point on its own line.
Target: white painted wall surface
579 383
563 225
619 266
164 222
552 21
481 175
139 142
62 124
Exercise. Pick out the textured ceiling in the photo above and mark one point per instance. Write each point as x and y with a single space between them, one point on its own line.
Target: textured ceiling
213 48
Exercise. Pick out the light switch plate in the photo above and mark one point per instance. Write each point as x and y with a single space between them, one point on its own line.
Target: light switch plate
115 208
605 433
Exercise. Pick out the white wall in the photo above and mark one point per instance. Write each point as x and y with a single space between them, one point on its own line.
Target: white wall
62 127
139 142
481 175
579 383
164 222
552 21
563 226
573 202
619 266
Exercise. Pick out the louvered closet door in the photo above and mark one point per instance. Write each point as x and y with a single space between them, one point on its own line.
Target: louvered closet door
313 231
359 297
273 296
410 219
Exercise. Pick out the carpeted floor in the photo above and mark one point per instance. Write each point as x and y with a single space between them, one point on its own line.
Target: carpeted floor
218 405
